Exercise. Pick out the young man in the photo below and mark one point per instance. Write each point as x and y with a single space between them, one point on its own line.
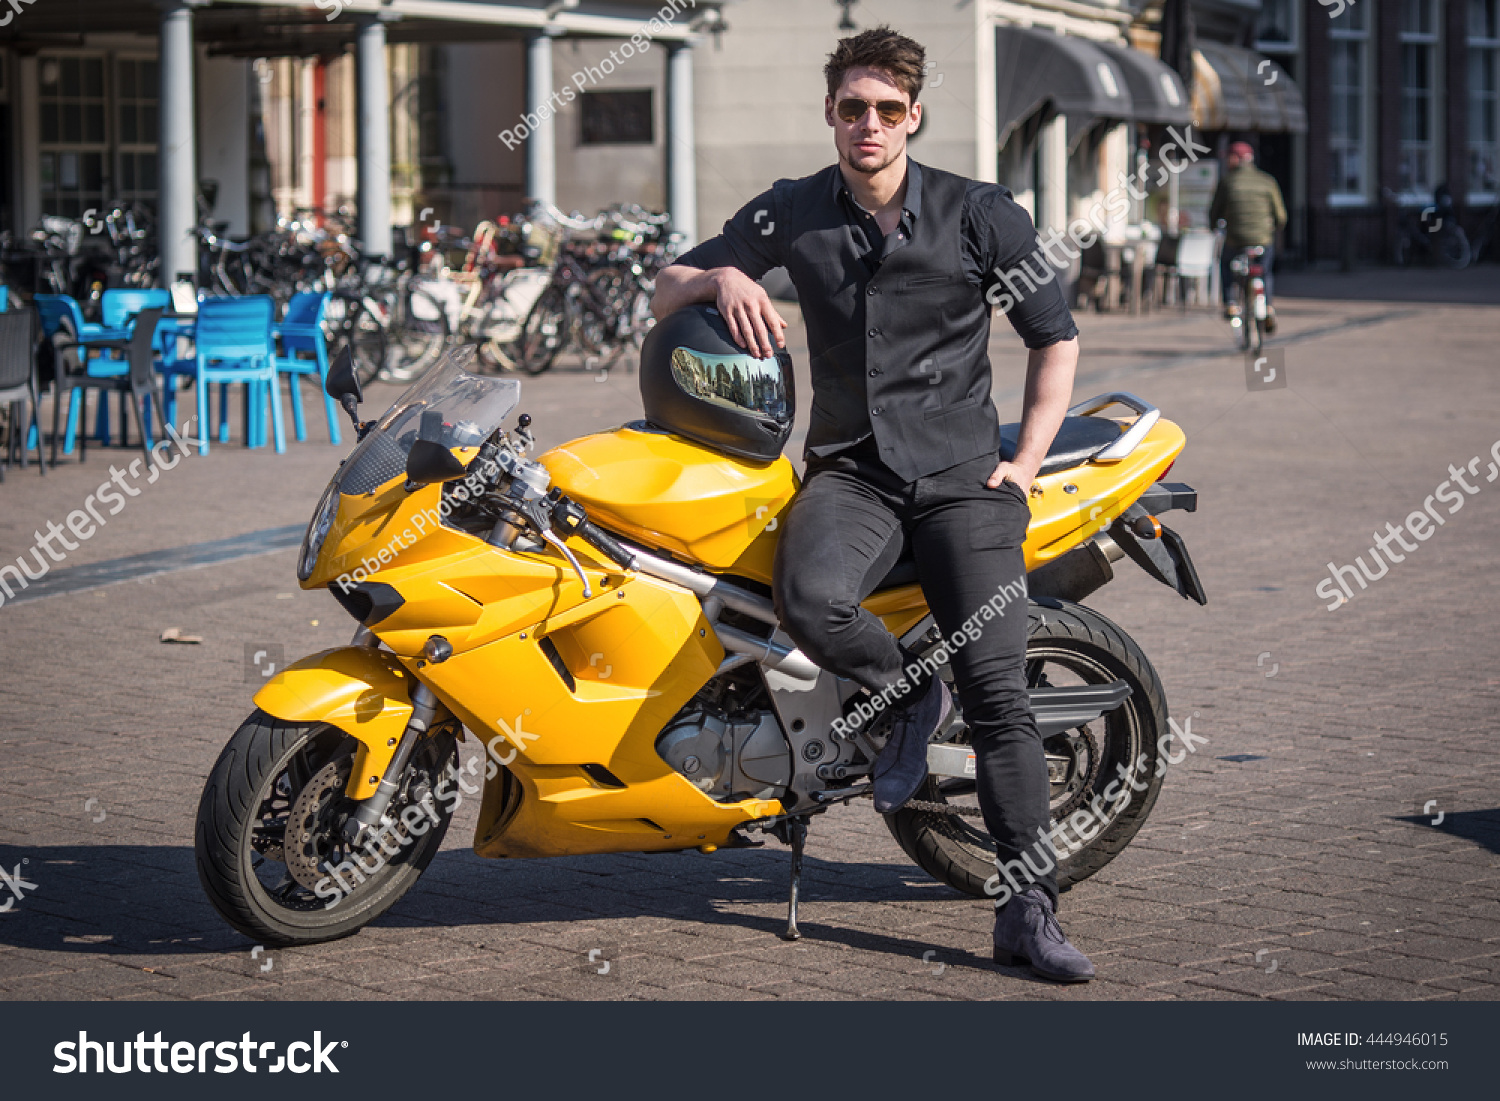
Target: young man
892 262
1249 201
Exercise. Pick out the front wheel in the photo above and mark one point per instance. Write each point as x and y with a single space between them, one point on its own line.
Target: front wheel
269 840
1067 645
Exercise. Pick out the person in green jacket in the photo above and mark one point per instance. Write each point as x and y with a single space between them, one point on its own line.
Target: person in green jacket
1249 202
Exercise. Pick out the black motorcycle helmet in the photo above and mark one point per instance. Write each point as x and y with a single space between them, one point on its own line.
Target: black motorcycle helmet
697 382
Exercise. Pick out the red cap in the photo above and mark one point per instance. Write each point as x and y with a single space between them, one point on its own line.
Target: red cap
1241 149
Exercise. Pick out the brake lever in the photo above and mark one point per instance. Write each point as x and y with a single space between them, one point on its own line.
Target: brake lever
560 545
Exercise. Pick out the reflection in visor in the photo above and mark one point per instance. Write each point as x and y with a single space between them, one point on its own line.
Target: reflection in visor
737 381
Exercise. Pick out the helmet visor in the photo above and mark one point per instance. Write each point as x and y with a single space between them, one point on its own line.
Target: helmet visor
741 382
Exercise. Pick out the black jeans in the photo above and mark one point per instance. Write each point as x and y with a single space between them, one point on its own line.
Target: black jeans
843 533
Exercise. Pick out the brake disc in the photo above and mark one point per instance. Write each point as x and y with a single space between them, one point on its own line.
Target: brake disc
1081 761
312 835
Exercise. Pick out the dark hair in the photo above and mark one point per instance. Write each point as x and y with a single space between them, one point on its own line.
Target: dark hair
884 49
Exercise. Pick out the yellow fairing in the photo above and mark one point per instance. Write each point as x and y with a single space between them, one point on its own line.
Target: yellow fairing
374 530
668 492
366 693
572 706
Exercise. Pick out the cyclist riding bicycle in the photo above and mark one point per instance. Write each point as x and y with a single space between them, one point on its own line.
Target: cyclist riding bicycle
1249 202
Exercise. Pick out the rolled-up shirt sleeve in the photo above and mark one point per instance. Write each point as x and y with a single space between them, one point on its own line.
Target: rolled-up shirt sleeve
1038 312
750 241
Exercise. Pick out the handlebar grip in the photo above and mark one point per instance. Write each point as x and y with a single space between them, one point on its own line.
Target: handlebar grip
603 541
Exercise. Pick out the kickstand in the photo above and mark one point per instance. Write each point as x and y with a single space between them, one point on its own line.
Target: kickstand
794 831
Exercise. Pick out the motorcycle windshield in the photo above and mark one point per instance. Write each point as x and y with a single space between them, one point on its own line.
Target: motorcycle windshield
448 406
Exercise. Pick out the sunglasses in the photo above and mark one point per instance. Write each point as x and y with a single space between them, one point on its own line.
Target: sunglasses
892 112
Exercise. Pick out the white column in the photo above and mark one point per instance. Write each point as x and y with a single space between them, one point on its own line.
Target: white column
307 114
682 145
178 214
374 141
541 146
986 129
1052 184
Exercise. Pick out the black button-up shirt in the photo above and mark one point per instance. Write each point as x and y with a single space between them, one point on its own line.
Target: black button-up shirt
997 236
897 323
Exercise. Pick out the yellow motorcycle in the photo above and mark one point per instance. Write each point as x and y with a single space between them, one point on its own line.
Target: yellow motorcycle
599 620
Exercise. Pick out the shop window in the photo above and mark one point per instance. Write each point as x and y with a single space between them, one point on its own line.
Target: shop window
1484 101
71 106
1276 29
1349 127
1419 100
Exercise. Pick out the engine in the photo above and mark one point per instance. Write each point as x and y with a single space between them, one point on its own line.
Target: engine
729 757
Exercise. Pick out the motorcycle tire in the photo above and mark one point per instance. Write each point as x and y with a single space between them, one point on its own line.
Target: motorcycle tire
1073 640
273 770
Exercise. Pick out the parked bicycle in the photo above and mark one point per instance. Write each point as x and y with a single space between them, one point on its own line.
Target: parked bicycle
1430 235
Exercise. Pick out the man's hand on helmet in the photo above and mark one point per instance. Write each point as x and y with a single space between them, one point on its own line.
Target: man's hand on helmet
753 321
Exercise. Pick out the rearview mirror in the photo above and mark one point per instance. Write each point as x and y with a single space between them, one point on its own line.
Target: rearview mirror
343 383
428 463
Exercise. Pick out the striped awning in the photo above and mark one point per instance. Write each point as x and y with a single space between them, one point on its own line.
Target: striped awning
1238 89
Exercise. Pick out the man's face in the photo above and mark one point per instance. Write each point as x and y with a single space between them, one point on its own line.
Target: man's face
868 145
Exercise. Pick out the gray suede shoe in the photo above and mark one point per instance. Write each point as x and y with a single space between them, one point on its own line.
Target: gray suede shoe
1026 929
902 764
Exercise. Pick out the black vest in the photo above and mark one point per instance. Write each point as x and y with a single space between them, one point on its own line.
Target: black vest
900 353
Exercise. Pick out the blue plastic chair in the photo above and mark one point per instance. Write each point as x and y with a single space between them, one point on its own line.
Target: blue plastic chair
119 306
301 333
57 310
234 344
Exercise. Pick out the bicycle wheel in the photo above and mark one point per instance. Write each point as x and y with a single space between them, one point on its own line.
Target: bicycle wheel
417 335
1452 248
544 332
354 323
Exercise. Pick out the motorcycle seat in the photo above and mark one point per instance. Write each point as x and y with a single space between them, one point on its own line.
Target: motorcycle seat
1077 441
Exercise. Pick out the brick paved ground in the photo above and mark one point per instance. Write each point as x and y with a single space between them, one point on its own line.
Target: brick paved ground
1309 873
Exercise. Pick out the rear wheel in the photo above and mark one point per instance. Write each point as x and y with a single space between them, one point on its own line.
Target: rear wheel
1067 645
270 848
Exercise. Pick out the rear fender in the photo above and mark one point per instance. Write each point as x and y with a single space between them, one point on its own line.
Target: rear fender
362 691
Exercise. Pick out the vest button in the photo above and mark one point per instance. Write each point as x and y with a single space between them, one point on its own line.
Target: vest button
874 332
875 411
874 371
872 291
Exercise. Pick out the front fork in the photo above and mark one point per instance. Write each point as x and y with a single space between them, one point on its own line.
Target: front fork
424 705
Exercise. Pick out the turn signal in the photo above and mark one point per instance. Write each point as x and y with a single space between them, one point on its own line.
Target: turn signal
1146 527
437 650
